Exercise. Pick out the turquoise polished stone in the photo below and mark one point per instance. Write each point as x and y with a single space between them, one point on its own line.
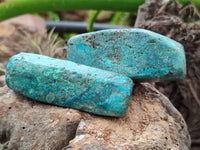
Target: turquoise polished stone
68 84
137 53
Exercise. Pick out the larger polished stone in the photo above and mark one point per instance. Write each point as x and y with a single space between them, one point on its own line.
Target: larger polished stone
68 84
137 53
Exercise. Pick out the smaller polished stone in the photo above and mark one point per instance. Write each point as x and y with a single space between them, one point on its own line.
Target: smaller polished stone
137 53
68 84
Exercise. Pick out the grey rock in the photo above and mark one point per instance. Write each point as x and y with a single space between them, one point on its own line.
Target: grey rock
151 122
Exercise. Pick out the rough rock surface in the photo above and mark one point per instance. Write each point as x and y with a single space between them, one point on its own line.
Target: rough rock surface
68 84
150 123
15 32
168 20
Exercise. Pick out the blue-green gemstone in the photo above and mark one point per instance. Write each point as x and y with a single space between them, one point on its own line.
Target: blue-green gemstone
68 84
137 53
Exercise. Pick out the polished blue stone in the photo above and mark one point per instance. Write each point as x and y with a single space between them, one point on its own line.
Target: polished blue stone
137 53
68 84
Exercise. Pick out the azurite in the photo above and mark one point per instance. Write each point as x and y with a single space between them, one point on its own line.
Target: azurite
137 53
68 84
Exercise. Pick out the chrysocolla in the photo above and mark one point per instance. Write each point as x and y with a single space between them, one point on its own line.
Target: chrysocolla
137 53
68 84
